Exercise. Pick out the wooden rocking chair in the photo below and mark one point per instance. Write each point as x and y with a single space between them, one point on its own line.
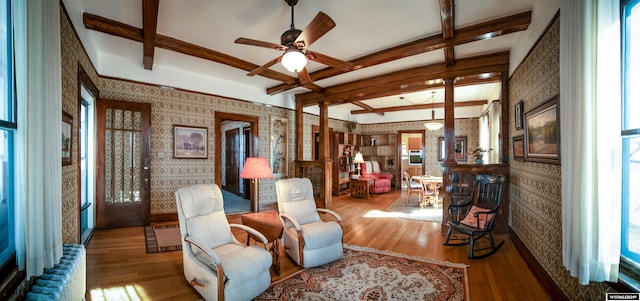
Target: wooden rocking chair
474 218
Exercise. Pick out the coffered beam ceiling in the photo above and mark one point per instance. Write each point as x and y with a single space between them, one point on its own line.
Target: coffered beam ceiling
411 80
477 32
439 105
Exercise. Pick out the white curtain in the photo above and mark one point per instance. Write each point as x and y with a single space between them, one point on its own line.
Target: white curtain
38 149
590 131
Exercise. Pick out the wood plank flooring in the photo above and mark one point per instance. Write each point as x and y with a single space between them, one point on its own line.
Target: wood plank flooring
118 265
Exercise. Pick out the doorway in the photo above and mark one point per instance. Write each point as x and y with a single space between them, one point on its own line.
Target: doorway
123 164
411 148
236 138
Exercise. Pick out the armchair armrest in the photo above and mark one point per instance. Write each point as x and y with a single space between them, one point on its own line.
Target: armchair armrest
332 213
254 232
286 219
386 176
215 260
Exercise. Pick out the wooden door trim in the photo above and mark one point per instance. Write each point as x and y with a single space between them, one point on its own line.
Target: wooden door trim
219 118
83 80
145 196
398 176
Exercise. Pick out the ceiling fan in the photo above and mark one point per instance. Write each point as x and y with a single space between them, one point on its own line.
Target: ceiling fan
295 43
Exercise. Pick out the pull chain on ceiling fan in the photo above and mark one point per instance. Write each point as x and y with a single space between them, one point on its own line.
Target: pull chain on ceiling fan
295 43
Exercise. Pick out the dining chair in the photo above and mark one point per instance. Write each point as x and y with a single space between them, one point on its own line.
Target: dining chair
412 187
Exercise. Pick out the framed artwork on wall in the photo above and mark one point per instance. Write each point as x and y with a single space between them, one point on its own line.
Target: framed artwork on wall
518 114
518 148
278 145
67 133
542 132
189 142
460 149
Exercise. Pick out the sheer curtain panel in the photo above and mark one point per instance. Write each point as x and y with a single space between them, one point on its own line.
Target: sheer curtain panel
590 130
38 89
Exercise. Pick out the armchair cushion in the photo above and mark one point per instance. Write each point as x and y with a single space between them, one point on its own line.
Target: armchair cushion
319 235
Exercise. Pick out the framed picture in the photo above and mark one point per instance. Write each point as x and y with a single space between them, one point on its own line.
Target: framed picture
518 113
542 132
189 142
518 148
279 130
460 149
67 133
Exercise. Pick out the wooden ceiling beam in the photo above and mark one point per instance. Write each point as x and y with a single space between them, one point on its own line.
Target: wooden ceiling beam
122 30
469 103
149 28
447 18
367 107
477 32
408 80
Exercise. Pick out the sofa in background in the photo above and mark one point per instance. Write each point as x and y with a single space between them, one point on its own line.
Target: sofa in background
382 181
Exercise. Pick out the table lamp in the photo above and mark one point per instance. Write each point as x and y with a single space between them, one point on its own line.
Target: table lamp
256 169
358 160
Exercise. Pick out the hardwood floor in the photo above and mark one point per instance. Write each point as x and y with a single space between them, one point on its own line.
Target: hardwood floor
118 265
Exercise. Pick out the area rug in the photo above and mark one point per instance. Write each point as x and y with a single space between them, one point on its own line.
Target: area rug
162 238
400 208
370 274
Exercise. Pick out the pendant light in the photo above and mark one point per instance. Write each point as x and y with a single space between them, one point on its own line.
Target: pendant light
433 125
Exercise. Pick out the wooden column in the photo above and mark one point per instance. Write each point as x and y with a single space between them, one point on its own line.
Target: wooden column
504 125
325 155
300 132
449 123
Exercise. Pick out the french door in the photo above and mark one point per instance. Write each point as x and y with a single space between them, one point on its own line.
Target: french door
123 169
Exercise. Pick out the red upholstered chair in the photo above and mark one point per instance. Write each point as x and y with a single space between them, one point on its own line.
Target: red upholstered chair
382 181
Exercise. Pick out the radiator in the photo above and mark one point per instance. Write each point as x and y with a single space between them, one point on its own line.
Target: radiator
64 281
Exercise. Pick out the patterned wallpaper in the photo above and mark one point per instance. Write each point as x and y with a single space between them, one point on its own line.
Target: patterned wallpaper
535 196
72 56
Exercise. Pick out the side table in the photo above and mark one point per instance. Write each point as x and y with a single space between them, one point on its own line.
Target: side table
362 188
268 223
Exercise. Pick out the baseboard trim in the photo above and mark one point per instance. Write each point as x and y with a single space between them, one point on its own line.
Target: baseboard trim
538 271
164 217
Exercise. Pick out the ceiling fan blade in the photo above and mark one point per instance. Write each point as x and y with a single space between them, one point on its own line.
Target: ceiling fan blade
320 25
253 42
304 77
329 61
264 67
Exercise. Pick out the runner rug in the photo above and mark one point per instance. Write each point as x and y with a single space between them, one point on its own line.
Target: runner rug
162 238
369 274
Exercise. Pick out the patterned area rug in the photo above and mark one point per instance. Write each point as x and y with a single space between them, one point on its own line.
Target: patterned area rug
369 274
400 208
162 238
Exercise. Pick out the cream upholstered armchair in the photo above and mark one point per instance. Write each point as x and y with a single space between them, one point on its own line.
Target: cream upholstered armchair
308 240
215 263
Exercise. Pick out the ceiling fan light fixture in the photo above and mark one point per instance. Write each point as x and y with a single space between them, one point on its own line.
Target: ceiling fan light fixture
294 60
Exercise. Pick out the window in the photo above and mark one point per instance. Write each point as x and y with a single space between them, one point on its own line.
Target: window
630 242
7 129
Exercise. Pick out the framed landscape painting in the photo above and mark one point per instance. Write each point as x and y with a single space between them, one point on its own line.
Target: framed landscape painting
518 148
189 142
542 132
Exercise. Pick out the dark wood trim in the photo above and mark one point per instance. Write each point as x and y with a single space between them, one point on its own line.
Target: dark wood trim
11 279
469 103
538 271
398 177
164 217
447 14
84 50
83 80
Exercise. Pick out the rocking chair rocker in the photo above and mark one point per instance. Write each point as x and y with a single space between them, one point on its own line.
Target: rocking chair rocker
474 218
